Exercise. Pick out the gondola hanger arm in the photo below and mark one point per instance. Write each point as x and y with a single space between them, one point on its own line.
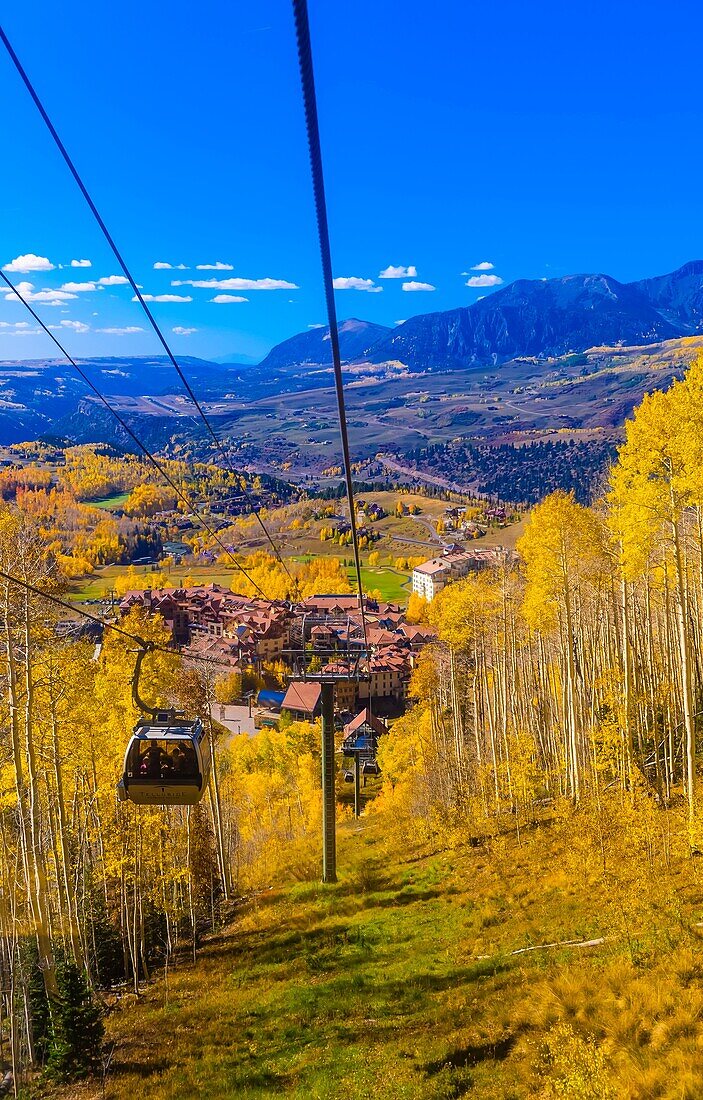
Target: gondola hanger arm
144 648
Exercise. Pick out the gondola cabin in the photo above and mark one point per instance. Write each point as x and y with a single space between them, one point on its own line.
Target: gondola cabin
167 762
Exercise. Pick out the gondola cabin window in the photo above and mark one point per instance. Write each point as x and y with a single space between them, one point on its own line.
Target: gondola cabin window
167 761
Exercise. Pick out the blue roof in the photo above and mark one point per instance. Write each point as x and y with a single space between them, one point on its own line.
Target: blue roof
271 698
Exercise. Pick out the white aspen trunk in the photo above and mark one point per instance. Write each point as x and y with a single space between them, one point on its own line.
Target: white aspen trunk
37 865
65 861
686 685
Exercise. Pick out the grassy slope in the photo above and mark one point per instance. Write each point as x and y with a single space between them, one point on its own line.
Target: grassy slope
108 503
393 585
399 980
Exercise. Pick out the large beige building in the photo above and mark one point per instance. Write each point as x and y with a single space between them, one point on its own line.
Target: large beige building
433 575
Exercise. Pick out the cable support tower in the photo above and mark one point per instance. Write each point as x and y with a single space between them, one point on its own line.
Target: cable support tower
138 294
307 77
125 427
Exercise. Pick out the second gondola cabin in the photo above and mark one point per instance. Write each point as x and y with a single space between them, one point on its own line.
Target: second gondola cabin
167 762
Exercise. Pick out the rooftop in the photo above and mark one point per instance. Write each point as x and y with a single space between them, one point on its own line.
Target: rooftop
302 695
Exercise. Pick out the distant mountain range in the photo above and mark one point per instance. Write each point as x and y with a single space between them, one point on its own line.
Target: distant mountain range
543 319
527 329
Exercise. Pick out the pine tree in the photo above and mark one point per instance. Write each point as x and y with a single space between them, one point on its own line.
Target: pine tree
38 1002
77 1027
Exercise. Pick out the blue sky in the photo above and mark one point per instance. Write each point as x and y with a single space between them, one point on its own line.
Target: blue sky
542 139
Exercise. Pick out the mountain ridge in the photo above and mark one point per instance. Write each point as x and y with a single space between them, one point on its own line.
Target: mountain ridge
312 347
545 318
540 318
529 330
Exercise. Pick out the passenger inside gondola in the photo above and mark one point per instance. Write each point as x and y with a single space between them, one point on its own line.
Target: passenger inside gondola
163 761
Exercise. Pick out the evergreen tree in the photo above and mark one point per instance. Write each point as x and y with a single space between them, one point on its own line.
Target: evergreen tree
107 957
39 1010
77 1027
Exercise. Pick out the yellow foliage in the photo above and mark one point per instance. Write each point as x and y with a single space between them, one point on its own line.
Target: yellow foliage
574 1068
146 500
416 611
564 543
132 581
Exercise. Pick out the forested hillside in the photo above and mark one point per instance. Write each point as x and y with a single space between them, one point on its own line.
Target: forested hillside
558 712
522 473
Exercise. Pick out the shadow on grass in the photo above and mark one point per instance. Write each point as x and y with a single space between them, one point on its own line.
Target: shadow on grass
397 991
473 1055
261 947
129 1067
409 895
263 1079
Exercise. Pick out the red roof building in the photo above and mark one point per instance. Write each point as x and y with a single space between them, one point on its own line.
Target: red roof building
302 700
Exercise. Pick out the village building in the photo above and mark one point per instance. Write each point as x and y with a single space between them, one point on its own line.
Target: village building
362 734
256 628
372 659
430 578
303 700
345 695
433 575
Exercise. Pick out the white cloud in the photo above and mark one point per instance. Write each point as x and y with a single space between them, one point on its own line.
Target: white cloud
163 298
113 280
237 284
401 272
52 297
75 326
22 328
79 263
161 265
79 288
29 262
401 322
48 297
218 266
485 265
484 280
418 286
224 299
180 331
317 326
128 331
352 282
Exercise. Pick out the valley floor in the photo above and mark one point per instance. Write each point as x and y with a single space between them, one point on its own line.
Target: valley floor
403 980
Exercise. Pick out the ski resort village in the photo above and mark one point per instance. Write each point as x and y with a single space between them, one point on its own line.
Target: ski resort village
372 660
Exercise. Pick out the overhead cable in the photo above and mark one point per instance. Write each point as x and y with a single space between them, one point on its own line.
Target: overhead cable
135 287
125 427
302 30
